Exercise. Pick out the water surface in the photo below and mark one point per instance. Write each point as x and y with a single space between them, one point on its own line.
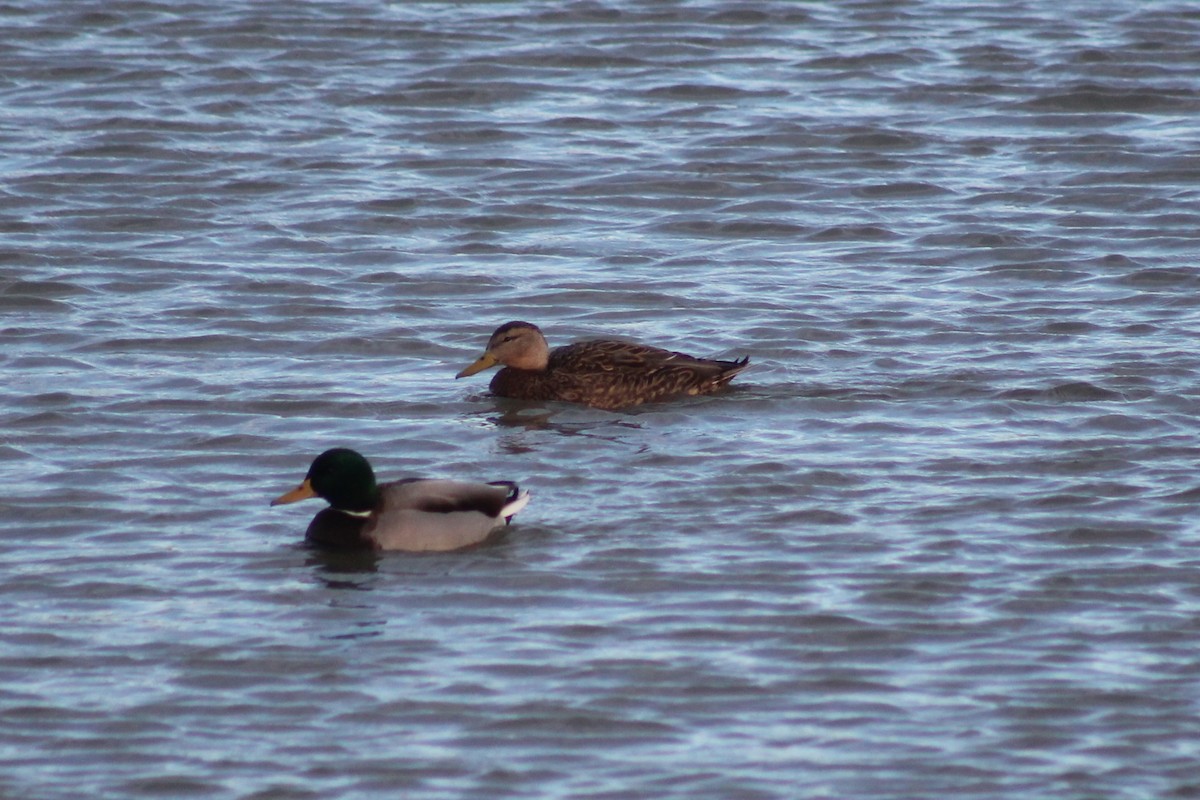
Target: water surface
939 541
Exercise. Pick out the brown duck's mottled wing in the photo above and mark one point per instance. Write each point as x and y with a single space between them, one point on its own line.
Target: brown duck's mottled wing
604 355
611 374
436 514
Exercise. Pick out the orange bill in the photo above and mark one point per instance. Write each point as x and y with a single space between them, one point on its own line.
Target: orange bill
483 362
301 492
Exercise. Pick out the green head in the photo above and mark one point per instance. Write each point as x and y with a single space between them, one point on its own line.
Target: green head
340 476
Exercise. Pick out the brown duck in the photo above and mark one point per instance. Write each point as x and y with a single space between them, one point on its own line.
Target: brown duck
601 373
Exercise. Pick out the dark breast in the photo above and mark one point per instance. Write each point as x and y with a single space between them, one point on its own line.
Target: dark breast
524 384
337 531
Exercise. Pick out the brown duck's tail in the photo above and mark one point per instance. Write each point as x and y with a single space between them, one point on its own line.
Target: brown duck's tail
729 369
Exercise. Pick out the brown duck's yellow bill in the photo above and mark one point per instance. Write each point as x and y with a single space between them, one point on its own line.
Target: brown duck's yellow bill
301 492
483 362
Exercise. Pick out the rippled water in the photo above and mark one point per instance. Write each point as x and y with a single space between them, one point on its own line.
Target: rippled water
940 540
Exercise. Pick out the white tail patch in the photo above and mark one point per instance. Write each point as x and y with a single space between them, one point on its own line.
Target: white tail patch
515 505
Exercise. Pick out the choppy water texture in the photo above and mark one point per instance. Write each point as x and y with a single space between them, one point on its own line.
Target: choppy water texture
940 541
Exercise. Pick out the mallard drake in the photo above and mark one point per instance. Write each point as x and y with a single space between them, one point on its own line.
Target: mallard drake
409 514
601 373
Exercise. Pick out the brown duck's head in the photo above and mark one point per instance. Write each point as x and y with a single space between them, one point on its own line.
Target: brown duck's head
519 345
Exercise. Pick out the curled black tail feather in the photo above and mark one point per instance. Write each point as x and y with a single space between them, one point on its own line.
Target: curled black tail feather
515 497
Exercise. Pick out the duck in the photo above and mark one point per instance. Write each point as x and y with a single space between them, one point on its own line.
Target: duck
602 373
414 514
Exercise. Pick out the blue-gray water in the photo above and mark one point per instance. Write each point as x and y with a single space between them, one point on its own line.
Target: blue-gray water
940 541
